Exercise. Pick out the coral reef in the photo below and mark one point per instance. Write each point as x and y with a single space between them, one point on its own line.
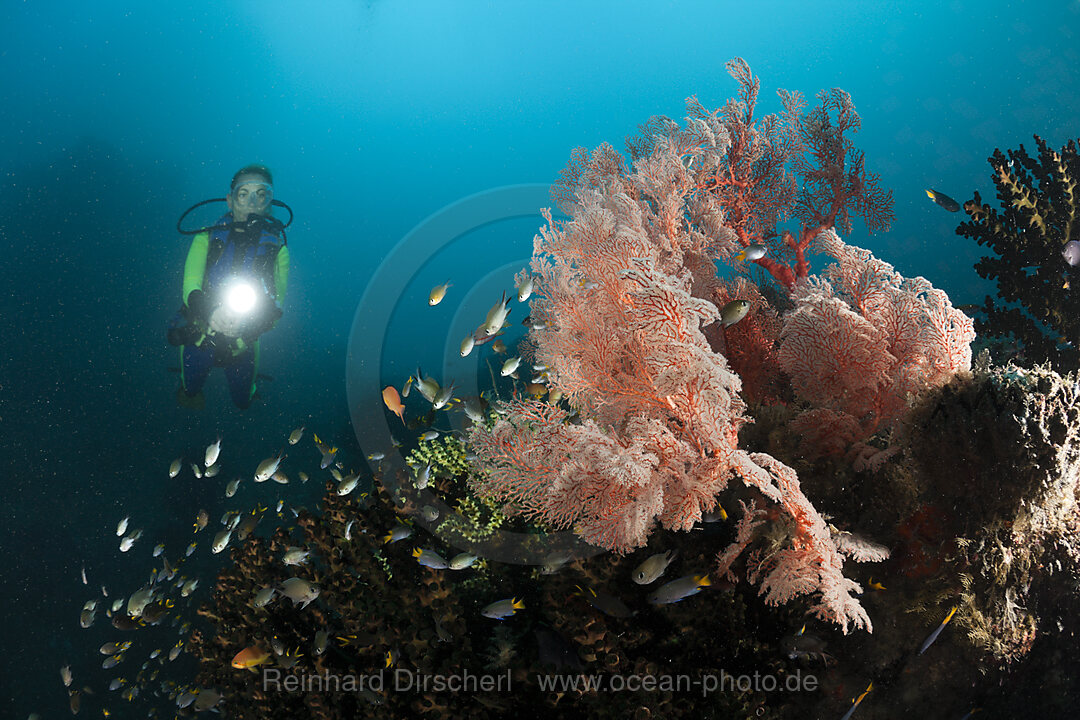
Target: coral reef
384 614
379 608
1008 490
627 290
980 508
1036 302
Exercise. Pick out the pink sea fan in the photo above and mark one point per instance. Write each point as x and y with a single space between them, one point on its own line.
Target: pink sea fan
647 432
863 341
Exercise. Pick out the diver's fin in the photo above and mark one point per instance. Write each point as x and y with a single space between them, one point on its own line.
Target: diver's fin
191 402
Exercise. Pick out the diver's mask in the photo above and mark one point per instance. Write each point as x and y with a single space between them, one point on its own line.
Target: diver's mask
253 197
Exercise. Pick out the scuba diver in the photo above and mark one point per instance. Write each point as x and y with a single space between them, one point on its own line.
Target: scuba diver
235 277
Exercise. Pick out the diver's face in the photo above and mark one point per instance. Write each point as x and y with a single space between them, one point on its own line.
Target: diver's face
251 196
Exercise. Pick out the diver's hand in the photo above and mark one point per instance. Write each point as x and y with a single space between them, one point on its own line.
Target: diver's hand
269 320
198 305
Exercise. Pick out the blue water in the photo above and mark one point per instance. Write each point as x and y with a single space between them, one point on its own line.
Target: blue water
115 117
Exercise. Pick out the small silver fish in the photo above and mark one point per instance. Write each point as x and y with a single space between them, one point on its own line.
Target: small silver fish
174 468
263 597
348 484
232 487
300 591
121 527
467 345
554 562
114 647
295 556
189 587
319 646
525 289
220 541
268 467
138 601
496 316
462 561
438 293
423 477
510 366
1071 253
734 311
474 410
295 435
648 571
212 452
443 397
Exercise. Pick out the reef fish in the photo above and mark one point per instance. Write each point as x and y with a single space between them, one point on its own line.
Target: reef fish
437 293
393 401
525 289
734 311
268 467
606 602
249 658
429 558
677 590
753 251
502 608
934 635
654 567
400 532
943 200
496 316
300 591
1071 252
213 450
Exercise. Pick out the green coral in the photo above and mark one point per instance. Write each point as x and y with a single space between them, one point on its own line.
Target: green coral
1037 301
446 455
476 518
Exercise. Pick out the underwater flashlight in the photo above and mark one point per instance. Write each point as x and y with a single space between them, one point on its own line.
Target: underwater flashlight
240 297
